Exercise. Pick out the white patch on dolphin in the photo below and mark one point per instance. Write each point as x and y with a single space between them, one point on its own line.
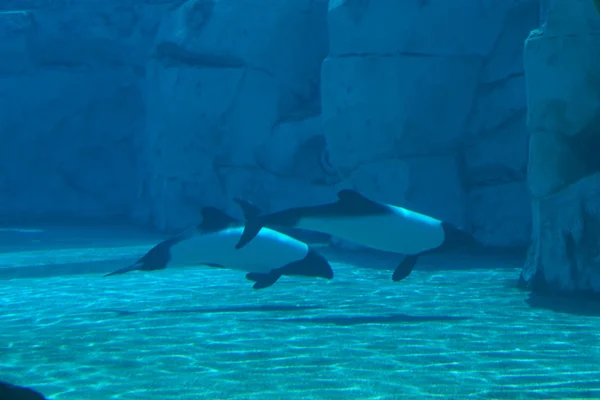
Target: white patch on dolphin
270 255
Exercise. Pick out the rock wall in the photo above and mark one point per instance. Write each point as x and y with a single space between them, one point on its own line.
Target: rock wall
563 88
151 109
72 102
233 106
424 106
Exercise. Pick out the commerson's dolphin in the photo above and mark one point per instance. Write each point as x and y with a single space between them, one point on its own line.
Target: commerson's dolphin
358 219
270 255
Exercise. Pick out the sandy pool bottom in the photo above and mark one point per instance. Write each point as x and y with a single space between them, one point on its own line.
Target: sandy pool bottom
204 333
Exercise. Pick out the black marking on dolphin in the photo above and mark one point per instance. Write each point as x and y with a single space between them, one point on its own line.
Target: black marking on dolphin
311 265
352 214
157 258
349 204
219 228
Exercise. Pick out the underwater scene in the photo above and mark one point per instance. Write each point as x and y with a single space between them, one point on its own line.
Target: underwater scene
307 199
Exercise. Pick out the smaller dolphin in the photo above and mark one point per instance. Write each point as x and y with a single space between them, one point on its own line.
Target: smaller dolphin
358 219
270 255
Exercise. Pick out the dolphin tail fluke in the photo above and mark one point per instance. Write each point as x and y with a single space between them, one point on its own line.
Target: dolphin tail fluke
456 238
252 226
263 280
251 229
405 268
125 270
250 210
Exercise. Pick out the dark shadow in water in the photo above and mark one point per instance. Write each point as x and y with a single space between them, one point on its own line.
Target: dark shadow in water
582 306
513 284
349 320
211 310
9 391
450 260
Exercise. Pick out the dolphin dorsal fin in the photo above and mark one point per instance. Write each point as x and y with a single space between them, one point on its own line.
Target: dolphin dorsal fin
352 201
214 219
250 210
349 195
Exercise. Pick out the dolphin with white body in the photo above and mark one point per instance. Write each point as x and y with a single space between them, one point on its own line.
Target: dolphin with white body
270 255
366 222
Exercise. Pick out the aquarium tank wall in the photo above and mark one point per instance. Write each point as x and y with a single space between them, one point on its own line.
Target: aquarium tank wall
147 110
411 189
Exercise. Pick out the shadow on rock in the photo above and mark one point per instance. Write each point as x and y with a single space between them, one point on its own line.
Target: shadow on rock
213 310
587 306
370 319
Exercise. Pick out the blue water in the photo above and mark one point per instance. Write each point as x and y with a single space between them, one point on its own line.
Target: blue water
456 328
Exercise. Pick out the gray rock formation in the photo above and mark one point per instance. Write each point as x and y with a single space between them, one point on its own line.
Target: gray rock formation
149 109
71 105
563 87
424 106
226 79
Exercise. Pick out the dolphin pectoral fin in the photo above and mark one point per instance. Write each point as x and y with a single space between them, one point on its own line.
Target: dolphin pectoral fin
263 280
251 229
313 265
405 267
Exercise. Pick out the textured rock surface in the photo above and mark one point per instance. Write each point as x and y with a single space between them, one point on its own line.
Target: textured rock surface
563 96
563 84
565 253
500 214
152 108
423 83
71 104
227 78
